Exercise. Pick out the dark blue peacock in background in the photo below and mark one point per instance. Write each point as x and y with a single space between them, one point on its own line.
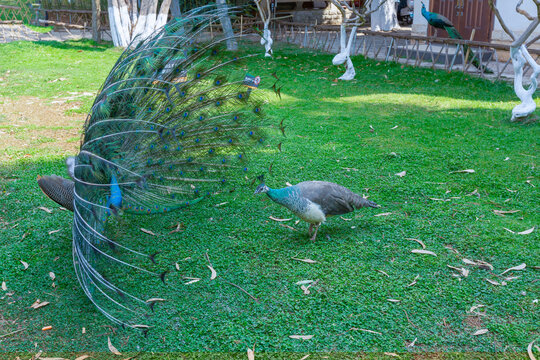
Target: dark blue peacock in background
174 123
442 22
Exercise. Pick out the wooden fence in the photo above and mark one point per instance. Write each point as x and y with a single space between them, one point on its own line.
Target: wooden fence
16 14
425 51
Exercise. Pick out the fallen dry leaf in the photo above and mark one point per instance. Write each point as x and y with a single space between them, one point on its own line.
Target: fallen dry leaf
467 171
250 354
515 268
112 348
213 274
148 232
4 286
309 261
412 343
529 350
52 275
391 354
54 231
154 300
496 283
305 357
304 282
278 219
422 251
384 273
394 300
525 232
401 173
418 241
25 264
47 210
38 304
288 227
461 270
192 280
46 328
383 214
414 281
502 212
366 330
480 332
82 357
301 337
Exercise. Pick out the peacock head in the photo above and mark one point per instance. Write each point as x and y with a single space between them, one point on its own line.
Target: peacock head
262 188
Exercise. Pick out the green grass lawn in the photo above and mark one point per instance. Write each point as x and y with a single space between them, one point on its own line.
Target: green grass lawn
391 119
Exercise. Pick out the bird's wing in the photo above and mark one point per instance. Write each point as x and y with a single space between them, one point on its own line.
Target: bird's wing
452 32
58 189
333 199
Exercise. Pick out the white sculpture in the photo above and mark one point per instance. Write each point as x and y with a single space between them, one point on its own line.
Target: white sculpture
354 17
520 56
265 11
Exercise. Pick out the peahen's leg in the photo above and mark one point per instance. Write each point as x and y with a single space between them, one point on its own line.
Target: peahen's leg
315 234
310 229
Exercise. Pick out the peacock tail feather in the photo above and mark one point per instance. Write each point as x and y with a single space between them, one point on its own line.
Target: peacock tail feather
175 121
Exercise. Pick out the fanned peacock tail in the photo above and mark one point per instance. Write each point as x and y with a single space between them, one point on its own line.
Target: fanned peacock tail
175 122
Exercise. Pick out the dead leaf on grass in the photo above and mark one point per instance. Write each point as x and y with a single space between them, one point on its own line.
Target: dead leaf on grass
192 280
47 210
25 264
466 171
394 300
82 357
112 348
496 283
250 354
418 241
304 282
4 286
38 304
52 275
414 281
412 343
384 273
529 350
278 219
309 261
301 337
480 332
422 251
461 270
148 232
503 212
213 272
383 214
54 231
515 268
391 354
401 173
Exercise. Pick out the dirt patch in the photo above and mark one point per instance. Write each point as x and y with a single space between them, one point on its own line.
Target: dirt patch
30 123
473 321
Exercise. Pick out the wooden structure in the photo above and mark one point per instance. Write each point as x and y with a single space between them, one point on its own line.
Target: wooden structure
71 18
425 51
466 15
18 13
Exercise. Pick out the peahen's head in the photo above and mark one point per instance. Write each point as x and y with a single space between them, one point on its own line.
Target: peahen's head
262 188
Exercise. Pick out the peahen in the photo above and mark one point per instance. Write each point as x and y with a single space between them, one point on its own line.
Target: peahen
315 201
442 22
175 122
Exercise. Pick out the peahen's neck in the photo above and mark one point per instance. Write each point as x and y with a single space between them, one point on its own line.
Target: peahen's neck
425 13
282 196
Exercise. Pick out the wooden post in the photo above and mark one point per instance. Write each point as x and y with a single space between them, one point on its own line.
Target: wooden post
96 20
241 24
469 49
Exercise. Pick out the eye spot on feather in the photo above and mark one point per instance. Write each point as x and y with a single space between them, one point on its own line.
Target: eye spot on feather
186 114
167 109
235 118
178 148
189 159
223 161
201 118
182 133
250 133
183 93
245 169
165 147
240 96
197 140
218 103
230 141
239 156
218 82
257 109
201 98
151 146
201 169
223 181
210 151
216 128
198 75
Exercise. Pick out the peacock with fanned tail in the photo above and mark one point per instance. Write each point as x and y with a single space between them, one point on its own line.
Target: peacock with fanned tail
175 122
442 22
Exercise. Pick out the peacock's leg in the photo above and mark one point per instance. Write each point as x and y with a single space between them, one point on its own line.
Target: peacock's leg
310 229
316 229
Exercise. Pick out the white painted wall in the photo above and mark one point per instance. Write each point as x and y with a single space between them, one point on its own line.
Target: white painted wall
516 22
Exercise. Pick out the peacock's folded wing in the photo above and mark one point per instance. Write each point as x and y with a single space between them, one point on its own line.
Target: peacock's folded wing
175 121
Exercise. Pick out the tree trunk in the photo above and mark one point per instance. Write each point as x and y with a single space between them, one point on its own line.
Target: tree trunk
225 19
175 8
385 17
96 20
